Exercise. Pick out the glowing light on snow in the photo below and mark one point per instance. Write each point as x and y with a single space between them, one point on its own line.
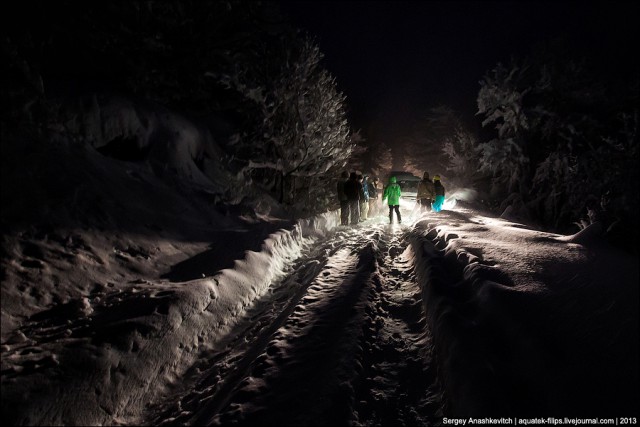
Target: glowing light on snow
407 204
465 194
449 204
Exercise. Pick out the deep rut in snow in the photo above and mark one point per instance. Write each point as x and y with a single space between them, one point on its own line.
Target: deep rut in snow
340 340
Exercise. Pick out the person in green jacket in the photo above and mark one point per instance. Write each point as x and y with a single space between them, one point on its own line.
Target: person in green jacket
392 193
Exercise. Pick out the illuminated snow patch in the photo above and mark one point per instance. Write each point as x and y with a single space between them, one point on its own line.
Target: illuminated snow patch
449 204
407 204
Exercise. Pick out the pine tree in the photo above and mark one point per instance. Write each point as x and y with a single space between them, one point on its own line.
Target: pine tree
566 140
300 131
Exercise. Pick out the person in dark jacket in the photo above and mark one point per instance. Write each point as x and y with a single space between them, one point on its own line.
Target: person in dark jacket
439 188
352 190
373 196
426 192
342 198
364 197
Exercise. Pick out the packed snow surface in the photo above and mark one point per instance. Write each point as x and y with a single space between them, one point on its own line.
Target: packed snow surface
322 325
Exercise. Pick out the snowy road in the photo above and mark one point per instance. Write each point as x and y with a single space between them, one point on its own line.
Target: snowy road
339 339
337 326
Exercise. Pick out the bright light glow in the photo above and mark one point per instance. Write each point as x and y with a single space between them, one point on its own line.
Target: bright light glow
465 194
449 204
407 204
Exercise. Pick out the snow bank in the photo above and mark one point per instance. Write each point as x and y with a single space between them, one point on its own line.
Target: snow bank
142 131
524 321
238 287
91 334
105 358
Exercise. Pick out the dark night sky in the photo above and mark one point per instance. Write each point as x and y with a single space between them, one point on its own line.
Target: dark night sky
393 58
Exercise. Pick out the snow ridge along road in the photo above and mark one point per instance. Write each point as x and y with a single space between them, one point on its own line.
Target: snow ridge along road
340 339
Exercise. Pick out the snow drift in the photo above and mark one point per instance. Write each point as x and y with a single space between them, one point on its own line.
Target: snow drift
526 322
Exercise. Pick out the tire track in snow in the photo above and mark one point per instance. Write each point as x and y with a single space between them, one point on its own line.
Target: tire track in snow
303 375
398 385
208 385
341 340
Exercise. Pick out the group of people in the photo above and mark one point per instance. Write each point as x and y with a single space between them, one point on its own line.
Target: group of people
430 195
358 196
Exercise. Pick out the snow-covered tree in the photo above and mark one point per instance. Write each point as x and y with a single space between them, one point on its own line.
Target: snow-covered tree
500 100
227 61
461 151
300 131
426 141
566 140
381 159
360 159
